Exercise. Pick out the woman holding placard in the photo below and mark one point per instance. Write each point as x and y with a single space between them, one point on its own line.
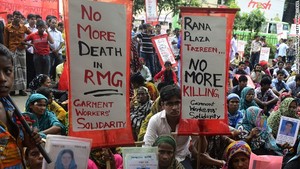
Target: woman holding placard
288 108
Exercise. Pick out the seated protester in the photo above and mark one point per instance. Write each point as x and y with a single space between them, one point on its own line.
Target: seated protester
247 67
295 86
280 67
237 155
288 108
235 116
281 97
155 108
265 68
235 62
58 70
34 159
256 75
264 96
247 99
292 161
166 122
54 107
278 85
137 80
241 84
39 81
166 145
46 121
140 109
144 70
167 76
288 67
240 69
257 133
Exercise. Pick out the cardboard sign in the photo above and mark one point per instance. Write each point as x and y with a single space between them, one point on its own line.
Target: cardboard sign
288 130
99 71
205 49
264 54
163 50
151 11
140 157
26 7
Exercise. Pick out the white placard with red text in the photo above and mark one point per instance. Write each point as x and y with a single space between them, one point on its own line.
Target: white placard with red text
151 10
203 67
264 54
98 65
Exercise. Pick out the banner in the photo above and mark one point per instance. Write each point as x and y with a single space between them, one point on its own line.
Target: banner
40 7
205 49
265 161
99 70
151 11
163 50
264 54
272 9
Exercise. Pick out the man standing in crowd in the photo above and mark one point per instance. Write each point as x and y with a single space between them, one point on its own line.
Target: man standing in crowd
31 18
14 34
255 51
234 47
56 52
282 48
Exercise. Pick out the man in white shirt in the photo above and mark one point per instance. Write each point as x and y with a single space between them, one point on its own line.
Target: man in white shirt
166 122
282 48
30 71
56 47
234 47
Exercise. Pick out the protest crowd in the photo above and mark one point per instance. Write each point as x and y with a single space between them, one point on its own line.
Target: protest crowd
32 60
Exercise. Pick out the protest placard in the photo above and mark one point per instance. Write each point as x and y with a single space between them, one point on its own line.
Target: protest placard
288 130
163 50
151 11
205 48
140 157
98 48
68 152
265 162
264 54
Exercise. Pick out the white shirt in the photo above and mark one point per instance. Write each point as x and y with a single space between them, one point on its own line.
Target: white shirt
145 72
157 126
34 29
57 38
282 49
234 48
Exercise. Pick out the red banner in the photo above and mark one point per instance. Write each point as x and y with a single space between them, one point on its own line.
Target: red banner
98 51
163 50
40 7
205 45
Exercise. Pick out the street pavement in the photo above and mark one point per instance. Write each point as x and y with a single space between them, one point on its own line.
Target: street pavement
20 101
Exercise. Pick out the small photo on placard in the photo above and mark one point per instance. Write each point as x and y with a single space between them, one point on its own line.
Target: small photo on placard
288 130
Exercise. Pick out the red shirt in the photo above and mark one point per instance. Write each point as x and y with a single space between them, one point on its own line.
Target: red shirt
40 43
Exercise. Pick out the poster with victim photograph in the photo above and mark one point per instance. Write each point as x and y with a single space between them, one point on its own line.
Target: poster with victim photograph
140 157
288 130
67 152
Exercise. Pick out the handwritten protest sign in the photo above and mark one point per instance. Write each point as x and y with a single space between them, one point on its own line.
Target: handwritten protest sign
99 71
288 130
264 54
151 11
140 157
205 58
26 7
164 50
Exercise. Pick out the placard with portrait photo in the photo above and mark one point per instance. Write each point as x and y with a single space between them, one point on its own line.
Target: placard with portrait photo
288 130
67 152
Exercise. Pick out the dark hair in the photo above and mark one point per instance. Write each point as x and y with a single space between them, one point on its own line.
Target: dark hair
17 13
281 72
38 16
44 91
29 16
289 122
168 63
49 17
280 62
265 81
9 16
169 91
297 78
40 23
60 24
243 78
4 51
137 78
240 63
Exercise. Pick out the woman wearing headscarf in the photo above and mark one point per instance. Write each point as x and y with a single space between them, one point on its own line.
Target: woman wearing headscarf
65 160
39 81
281 97
247 99
235 116
46 121
288 108
139 111
257 133
166 153
237 155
